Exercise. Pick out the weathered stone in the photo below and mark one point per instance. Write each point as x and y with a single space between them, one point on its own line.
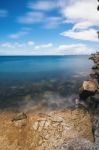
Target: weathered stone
20 123
45 131
20 116
20 120
90 86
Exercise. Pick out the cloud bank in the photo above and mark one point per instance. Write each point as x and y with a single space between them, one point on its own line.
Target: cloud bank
84 16
31 48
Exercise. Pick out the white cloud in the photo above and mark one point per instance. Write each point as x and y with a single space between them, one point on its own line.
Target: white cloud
47 5
30 43
19 34
75 49
37 13
49 45
7 45
89 34
84 15
42 5
39 17
82 11
30 48
31 17
52 22
3 13
82 25
27 48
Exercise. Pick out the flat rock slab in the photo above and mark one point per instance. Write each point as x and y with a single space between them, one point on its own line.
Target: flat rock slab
45 132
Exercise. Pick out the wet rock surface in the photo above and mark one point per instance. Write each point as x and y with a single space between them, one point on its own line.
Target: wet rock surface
45 132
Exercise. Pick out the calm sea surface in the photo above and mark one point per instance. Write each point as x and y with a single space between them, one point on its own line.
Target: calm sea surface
41 82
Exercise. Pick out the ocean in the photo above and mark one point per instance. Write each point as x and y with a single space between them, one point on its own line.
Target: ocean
41 82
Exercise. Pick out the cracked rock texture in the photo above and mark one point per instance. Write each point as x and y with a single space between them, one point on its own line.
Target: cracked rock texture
44 132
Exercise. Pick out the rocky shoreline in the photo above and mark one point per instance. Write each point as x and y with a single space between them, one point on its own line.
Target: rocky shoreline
89 96
69 129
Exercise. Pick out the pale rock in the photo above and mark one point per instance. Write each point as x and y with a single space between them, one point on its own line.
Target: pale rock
90 86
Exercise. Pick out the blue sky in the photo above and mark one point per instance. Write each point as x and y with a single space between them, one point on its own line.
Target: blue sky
48 27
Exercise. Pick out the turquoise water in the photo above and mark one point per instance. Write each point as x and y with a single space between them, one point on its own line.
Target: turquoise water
30 80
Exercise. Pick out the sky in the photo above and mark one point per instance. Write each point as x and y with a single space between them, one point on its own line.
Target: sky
48 27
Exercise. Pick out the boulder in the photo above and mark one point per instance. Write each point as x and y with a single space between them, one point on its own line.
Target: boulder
95 67
95 58
90 86
87 90
93 75
87 93
92 56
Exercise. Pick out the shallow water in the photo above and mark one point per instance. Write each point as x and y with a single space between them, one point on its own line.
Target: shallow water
47 82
